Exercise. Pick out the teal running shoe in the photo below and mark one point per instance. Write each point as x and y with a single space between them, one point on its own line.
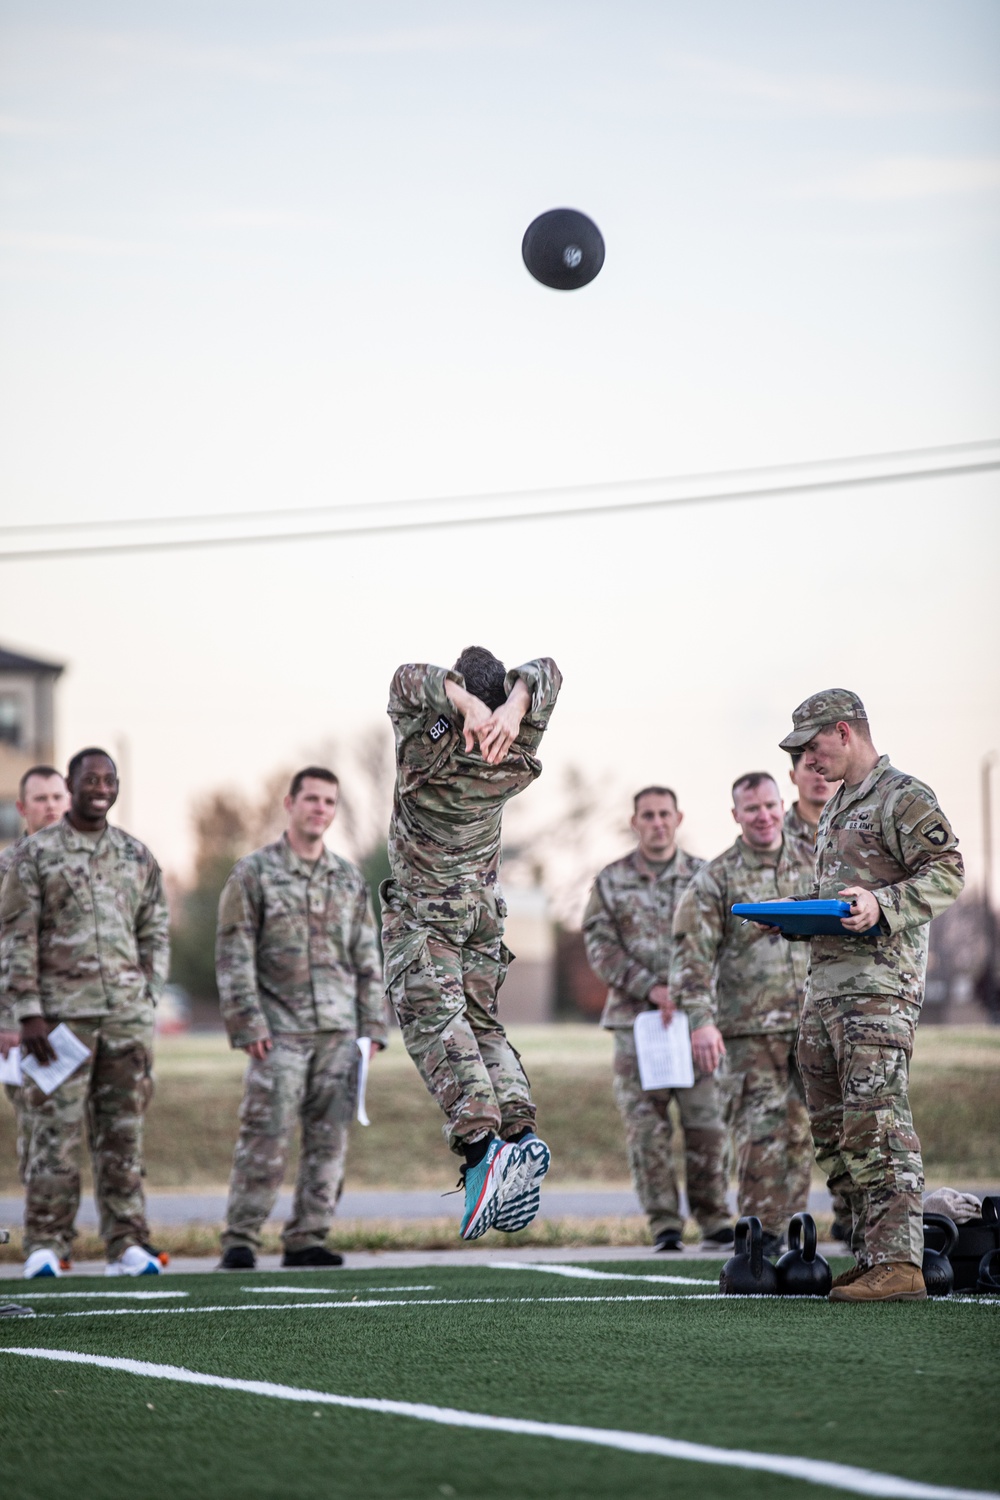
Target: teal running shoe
520 1197
484 1184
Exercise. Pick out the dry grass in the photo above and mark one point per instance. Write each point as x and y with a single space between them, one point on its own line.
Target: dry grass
192 1121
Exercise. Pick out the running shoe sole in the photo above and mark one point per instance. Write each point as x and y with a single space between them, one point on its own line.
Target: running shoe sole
521 1192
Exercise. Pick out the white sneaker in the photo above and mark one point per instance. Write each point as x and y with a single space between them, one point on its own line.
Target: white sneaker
41 1263
135 1262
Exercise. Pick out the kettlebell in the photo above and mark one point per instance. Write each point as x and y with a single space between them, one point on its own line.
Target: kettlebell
939 1278
800 1271
747 1273
989 1272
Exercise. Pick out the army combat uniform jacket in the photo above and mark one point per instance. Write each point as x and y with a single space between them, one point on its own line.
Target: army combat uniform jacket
732 974
296 950
796 827
627 930
85 927
444 838
889 835
8 1020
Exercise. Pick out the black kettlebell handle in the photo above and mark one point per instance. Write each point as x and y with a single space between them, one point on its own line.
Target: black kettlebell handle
803 1227
948 1228
749 1240
990 1210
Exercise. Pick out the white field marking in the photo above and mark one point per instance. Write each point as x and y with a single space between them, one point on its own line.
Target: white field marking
814 1471
137 1296
583 1274
325 1291
348 1306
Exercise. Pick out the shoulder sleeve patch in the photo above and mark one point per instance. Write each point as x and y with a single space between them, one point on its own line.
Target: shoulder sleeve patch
935 832
440 727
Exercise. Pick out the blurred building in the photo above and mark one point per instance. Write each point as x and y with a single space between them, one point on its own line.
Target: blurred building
528 993
27 727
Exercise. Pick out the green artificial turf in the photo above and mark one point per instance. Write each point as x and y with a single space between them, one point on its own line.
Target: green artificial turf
907 1389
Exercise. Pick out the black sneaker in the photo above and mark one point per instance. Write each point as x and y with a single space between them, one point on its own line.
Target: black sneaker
312 1255
238 1258
719 1239
668 1239
773 1244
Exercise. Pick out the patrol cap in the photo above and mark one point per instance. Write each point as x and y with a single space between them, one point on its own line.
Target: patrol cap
827 707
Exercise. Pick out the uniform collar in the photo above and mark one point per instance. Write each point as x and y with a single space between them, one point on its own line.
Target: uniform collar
74 839
299 866
755 858
849 795
645 871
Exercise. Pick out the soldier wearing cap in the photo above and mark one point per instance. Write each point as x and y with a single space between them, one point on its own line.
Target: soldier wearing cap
884 845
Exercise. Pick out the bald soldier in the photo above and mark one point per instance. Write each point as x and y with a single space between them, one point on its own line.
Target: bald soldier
627 931
742 987
42 799
884 845
467 739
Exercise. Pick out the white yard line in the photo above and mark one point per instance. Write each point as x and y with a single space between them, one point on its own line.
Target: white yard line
325 1291
813 1471
135 1296
362 1304
582 1273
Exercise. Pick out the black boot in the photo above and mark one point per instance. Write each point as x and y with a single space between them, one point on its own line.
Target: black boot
238 1258
312 1255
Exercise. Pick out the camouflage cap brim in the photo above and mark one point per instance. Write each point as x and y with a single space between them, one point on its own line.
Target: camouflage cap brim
798 738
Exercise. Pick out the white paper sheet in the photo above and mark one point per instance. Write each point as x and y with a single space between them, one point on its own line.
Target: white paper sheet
10 1068
365 1048
70 1053
664 1052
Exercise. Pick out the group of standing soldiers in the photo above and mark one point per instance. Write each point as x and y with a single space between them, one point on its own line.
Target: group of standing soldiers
797 1046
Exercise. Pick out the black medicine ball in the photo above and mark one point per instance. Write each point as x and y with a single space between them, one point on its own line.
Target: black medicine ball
563 249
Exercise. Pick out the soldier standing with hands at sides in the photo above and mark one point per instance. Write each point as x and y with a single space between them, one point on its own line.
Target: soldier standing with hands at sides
299 982
741 986
42 800
466 742
884 845
86 941
627 931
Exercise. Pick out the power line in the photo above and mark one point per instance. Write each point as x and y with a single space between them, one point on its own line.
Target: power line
597 487
439 523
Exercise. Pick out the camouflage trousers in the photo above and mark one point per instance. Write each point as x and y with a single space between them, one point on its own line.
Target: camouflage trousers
108 1096
308 1080
14 1096
649 1144
445 962
854 1055
770 1126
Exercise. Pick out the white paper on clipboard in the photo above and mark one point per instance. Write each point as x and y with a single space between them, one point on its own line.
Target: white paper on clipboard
70 1053
664 1052
365 1048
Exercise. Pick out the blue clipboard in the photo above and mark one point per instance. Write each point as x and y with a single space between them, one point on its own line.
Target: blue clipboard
801 918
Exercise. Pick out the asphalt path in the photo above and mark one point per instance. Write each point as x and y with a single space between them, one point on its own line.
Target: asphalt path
210 1208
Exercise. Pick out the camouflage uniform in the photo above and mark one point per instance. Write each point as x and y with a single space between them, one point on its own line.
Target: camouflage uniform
863 999
442 912
626 928
297 962
749 983
8 1022
86 941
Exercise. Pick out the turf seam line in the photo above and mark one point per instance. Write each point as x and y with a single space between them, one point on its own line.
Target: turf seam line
137 1296
583 1273
814 1471
326 1291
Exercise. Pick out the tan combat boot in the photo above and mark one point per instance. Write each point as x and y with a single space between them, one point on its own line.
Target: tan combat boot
888 1281
847 1277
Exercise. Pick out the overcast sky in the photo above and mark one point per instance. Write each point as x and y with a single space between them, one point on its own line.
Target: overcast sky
258 256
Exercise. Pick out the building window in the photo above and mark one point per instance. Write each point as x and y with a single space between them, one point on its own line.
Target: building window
10 822
11 719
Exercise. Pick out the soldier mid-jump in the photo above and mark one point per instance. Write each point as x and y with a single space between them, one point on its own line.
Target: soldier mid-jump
466 741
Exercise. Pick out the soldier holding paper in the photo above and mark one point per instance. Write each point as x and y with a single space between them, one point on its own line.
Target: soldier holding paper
627 930
741 987
299 982
85 942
